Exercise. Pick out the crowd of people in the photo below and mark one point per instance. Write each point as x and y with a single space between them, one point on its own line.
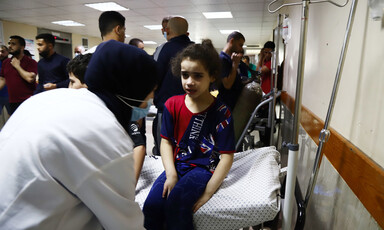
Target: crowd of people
72 151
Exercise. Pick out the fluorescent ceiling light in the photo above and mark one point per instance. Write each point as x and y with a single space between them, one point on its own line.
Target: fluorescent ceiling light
252 51
213 15
149 42
68 23
154 27
127 36
106 6
228 31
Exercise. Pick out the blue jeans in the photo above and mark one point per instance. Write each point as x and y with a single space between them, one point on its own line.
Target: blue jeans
175 212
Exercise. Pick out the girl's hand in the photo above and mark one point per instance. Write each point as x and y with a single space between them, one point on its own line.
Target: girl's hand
201 201
169 184
217 178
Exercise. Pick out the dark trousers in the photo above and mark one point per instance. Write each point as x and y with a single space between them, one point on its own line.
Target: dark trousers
4 101
175 212
13 107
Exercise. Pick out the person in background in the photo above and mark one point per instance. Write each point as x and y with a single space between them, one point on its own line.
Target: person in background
79 50
264 66
243 69
4 99
111 26
52 67
4 53
197 143
169 85
137 42
19 73
71 165
251 67
164 24
231 85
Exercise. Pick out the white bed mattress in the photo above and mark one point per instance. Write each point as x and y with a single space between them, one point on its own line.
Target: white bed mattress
247 197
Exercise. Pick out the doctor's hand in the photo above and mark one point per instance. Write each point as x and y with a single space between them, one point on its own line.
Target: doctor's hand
169 184
201 201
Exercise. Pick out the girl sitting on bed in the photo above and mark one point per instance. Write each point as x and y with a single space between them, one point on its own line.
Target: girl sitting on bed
197 143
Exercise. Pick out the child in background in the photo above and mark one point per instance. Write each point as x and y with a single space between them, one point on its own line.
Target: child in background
197 143
76 70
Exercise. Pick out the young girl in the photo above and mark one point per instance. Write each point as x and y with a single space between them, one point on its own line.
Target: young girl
197 143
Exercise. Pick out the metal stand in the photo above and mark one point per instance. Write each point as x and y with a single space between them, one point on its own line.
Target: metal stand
294 146
294 152
325 133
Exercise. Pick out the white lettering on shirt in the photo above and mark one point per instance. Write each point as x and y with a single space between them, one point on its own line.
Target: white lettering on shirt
196 126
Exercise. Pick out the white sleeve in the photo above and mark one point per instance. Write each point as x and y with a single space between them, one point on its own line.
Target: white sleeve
110 194
70 158
91 156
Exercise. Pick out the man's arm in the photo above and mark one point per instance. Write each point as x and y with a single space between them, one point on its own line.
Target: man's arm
228 81
61 84
139 150
30 77
138 159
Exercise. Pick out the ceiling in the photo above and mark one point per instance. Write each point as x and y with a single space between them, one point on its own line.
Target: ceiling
250 17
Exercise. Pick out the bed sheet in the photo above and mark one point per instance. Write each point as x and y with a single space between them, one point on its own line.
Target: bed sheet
247 197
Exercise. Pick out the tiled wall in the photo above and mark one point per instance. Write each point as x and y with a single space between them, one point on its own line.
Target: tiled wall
332 205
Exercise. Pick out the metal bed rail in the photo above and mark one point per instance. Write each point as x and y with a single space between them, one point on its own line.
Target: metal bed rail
253 116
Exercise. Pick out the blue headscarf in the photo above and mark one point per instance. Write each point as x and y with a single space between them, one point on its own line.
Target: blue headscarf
120 69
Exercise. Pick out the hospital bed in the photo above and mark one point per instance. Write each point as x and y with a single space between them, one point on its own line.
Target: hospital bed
248 196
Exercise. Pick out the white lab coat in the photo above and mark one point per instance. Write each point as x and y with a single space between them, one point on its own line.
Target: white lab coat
66 163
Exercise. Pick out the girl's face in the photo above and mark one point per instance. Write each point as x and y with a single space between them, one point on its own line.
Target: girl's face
195 79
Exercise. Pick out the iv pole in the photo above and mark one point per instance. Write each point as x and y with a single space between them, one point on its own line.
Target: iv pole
294 146
325 133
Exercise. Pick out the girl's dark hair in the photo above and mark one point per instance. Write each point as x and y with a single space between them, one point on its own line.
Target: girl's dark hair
205 53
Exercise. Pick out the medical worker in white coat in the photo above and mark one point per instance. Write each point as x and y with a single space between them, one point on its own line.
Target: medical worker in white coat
65 156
